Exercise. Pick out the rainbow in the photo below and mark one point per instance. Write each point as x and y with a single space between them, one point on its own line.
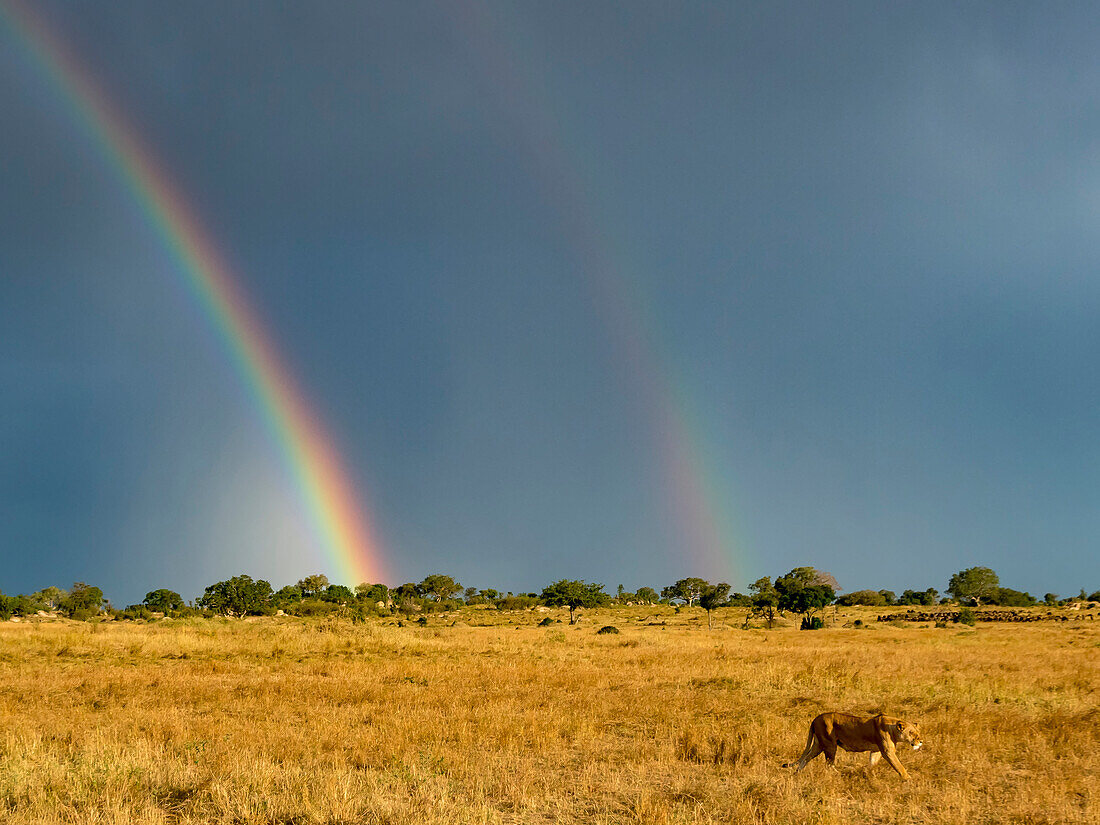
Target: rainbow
699 496
327 493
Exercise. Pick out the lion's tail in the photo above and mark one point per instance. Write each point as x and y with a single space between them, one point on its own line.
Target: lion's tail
809 744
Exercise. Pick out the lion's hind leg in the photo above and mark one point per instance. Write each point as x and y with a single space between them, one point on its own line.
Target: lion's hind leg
813 749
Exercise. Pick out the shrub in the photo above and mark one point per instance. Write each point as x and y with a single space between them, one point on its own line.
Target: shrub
871 598
812 623
606 629
966 616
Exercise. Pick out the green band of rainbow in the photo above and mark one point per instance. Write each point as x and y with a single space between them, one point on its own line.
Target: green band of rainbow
329 497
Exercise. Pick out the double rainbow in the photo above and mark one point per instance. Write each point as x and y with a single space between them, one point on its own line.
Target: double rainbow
327 493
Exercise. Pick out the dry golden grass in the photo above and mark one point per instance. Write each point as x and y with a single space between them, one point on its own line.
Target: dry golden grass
280 721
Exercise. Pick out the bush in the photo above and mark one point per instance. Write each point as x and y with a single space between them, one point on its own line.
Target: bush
311 607
871 598
607 629
812 623
966 616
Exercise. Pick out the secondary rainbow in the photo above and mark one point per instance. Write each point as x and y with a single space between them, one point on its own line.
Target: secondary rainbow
335 511
701 498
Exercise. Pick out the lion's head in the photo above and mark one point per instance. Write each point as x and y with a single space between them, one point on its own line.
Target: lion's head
906 732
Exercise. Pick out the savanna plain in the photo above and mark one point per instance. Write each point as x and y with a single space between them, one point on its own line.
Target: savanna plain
483 717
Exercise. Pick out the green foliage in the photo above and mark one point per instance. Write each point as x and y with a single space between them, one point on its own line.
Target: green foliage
1095 597
164 601
812 623
921 597
372 593
311 607
520 602
337 594
888 596
440 587
977 583
713 596
966 616
574 594
688 590
765 599
239 596
83 599
1050 599
134 612
1007 597
647 595
6 605
51 597
870 598
313 585
286 596
804 590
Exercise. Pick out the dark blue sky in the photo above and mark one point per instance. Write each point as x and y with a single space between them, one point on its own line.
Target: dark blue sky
843 256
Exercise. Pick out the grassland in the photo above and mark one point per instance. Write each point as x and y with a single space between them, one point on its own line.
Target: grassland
493 719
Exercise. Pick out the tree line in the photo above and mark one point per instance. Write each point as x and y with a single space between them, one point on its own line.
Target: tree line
803 591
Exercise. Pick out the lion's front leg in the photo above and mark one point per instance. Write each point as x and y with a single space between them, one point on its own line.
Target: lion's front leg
892 757
875 757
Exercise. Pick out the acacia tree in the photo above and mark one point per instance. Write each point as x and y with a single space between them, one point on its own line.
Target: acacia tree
765 600
313 585
372 592
163 600
977 583
83 599
238 596
714 596
574 594
337 594
688 590
439 587
922 597
805 590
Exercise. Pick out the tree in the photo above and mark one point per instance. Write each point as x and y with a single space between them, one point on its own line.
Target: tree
238 596
888 596
83 599
286 596
977 583
624 596
647 595
440 587
922 597
372 592
313 585
337 594
870 598
52 597
1008 597
687 590
574 594
765 599
163 600
714 596
489 594
1050 599
805 590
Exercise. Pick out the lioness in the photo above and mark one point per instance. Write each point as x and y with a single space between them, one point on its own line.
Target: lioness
856 734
